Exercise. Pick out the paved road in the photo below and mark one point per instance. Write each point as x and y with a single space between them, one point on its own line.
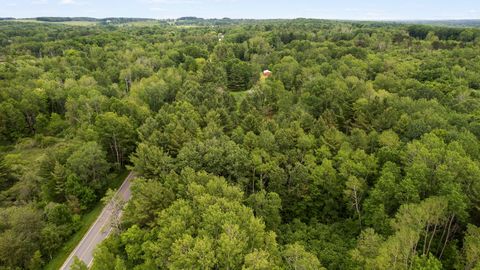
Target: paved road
100 229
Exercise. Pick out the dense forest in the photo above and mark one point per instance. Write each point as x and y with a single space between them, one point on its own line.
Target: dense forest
360 151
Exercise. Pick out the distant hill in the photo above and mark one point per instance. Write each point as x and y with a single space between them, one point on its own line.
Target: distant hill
65 19
453 23
192 20
112 20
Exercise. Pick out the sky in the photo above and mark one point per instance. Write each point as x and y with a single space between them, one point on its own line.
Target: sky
258 9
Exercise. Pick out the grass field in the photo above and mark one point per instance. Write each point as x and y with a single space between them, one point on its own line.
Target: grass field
28 21
78 23
85 222
141 23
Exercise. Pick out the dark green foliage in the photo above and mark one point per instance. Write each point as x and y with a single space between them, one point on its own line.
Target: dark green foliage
361 151
240 75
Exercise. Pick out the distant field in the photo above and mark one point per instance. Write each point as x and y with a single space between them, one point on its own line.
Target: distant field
28 20
78 23
142 23
75 23
92 23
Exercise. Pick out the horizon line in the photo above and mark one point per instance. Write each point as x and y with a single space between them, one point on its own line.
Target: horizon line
246 18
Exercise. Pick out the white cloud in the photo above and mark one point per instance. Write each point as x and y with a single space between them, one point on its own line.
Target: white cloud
40 2
187 1
169 2
75 2
68 2
157 9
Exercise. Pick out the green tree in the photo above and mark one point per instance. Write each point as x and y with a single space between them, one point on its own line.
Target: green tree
31 105
296 257
240 75
287 71
151 161
11 121
78 264
117 135
20 232
36 262
259 260
208 227
267 206
471 247
149 196
89 165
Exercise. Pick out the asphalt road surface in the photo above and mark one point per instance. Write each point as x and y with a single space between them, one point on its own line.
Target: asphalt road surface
100 229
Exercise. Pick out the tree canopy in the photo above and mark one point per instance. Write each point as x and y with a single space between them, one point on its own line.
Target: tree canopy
360 151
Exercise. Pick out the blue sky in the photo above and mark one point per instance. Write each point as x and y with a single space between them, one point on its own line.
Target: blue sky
326 9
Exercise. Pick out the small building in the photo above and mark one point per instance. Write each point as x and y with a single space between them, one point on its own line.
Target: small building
267 73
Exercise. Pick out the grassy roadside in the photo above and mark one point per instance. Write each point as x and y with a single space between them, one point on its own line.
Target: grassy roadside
85 223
